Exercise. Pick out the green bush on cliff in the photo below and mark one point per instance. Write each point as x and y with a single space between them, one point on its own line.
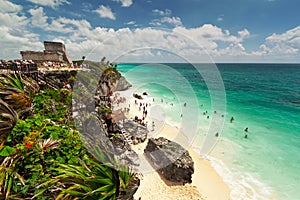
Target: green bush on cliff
44 157
112 73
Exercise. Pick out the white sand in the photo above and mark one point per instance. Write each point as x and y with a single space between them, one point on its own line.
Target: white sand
206 183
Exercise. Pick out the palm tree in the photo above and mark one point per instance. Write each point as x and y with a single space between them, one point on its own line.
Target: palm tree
8 119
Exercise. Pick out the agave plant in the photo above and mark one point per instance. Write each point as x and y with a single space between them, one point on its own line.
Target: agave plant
8 119
90 180
8 175
95 182
18 92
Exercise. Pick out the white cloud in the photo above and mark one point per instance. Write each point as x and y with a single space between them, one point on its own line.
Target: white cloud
38 17
125 3
60 25
131 23
191 44
165 18
287 43
105 12
244 34
7 7
176 21
50 3
194 44
165 12
141 44
13 35
173 21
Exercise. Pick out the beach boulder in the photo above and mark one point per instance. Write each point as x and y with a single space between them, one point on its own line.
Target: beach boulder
170 160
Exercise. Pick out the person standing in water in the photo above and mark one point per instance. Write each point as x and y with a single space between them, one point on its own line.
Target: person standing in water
246 130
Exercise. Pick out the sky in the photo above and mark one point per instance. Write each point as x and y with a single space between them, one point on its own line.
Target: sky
155 30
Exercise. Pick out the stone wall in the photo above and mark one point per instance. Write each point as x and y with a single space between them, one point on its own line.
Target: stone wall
54 46
54 51
32 55
53 56
40 57
57 47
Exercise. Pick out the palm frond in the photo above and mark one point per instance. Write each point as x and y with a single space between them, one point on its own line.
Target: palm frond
14 81
49 143
8 119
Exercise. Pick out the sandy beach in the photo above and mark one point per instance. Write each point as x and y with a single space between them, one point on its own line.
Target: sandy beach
206 182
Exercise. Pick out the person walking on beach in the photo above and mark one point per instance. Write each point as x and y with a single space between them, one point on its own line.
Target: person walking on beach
231 119
153 125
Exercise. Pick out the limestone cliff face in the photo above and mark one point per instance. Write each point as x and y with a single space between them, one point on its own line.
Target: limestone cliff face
111 81
123 84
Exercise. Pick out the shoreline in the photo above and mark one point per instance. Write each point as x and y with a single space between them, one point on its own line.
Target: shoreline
205 180
241 185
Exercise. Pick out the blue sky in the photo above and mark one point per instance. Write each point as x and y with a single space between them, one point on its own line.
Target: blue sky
155 30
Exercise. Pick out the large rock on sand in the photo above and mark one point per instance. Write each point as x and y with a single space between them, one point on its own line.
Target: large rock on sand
134 132
171 160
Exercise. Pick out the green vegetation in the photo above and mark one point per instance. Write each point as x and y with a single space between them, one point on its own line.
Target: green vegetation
18 92
43 157
112 73
77 62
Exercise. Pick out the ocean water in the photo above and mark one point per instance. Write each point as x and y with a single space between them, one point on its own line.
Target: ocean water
265 98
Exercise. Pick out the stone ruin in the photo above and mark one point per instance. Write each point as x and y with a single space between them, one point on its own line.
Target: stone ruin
54 52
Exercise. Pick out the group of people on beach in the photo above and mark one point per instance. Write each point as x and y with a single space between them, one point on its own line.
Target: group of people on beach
142 106
117 99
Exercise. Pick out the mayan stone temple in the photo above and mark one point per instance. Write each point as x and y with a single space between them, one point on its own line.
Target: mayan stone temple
54 52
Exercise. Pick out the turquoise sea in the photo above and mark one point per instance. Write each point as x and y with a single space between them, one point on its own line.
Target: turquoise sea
265 98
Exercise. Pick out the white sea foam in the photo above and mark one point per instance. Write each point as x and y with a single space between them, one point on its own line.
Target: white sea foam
243 186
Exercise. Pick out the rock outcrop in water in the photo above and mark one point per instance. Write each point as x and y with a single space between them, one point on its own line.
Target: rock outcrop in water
171 160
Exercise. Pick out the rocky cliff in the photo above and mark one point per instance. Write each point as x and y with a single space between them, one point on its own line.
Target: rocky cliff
110 81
